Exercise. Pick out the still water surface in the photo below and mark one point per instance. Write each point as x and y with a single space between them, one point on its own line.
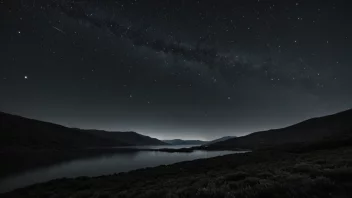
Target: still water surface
102 165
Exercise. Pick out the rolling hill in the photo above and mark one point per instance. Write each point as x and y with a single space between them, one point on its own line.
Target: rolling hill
129 137
220 139
23 134
334 127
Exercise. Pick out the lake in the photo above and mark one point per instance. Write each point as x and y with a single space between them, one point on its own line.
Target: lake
104 164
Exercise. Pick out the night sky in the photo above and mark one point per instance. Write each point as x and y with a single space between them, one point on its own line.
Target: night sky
175 68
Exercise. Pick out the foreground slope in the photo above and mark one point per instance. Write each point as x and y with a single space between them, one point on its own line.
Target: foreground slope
309 131
324 173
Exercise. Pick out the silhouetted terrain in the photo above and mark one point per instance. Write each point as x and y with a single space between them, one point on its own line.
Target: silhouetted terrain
317 162
220 139
196 142
185 142
333 127
22 134
130 137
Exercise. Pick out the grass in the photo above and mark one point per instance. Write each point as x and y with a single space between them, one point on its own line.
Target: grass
322 173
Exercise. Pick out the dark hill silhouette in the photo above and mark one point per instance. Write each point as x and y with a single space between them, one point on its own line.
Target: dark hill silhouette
23 134
129 137
335 127
220 139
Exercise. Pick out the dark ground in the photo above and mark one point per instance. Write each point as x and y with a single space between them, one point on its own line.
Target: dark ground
317 173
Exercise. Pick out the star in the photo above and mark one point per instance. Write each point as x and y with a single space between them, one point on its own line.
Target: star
240 50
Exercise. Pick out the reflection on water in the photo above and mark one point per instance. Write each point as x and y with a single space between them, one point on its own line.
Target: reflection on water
103 165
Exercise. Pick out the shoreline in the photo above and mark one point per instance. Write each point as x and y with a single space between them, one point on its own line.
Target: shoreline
252 173
57 159
30 160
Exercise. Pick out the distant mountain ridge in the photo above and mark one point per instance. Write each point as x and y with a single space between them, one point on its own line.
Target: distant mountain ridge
196 142
20 134
313 130
185 142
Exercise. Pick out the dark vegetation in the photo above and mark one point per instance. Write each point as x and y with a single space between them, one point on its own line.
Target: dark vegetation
317 173
18 134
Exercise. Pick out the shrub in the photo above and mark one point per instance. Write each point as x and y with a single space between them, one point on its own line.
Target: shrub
265 175
339 174
307 168
251 181
236 176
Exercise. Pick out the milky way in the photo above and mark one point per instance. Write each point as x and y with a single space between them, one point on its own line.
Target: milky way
175 69
200 52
